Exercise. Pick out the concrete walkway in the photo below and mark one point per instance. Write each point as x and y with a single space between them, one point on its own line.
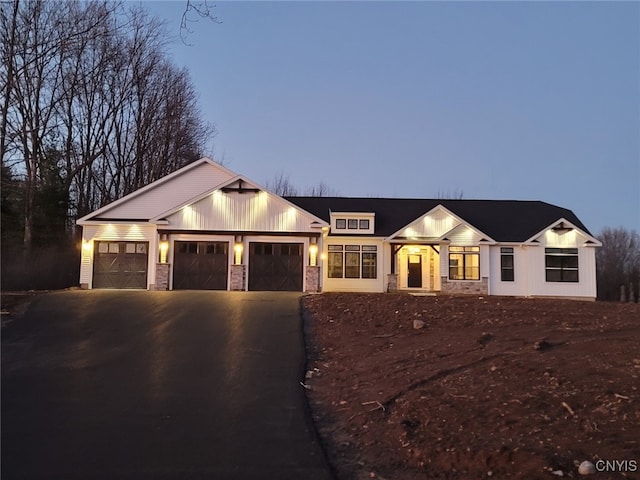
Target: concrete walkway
157 385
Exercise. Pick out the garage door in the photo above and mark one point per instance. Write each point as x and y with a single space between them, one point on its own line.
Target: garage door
120 264
275 266
200 265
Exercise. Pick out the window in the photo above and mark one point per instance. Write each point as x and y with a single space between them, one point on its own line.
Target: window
355 225
335 261
369 261
464 263
506 264
561 264
352 261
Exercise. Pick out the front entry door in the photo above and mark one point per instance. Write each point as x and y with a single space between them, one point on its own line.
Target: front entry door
415 271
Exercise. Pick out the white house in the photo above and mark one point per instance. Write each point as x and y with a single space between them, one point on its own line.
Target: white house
206 227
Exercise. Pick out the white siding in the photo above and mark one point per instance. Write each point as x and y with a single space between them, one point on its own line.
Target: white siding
530 274
433 225
117 232
462 235
356 284
585 287
261 212
520 285
169 194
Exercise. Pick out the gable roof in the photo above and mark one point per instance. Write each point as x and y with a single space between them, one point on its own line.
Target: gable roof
162 194
503 220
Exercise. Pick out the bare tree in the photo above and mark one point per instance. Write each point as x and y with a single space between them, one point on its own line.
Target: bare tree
321 190
618 262
194 11
281 185
91 105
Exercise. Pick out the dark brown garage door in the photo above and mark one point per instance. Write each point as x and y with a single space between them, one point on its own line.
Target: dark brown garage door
200 265
275 266
120 264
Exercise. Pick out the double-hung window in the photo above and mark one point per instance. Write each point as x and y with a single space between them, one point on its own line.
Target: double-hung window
561 264
464 263
506 264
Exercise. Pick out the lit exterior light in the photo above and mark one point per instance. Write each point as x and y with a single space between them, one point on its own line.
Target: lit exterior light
237 250
164 248
313 255
87 246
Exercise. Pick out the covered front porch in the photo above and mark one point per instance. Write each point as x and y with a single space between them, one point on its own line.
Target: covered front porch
415 267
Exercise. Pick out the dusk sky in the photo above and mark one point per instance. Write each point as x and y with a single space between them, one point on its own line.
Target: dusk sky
504 100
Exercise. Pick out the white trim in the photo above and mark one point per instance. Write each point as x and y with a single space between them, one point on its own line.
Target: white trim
594 241
442 237
319 223
160 181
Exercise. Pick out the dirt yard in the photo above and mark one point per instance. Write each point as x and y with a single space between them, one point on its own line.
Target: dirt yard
488 388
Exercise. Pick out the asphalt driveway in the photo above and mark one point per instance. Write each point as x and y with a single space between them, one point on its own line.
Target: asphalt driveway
162 385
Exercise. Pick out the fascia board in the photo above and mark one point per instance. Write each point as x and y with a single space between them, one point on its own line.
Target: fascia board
117 222
197 198
532 240
448 212
152 185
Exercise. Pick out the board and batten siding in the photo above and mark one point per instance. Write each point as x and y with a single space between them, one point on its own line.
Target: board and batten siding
434 224
254 212
117 233
520 284
165 196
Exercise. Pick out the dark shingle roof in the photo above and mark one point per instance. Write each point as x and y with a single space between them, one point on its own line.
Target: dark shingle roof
502 220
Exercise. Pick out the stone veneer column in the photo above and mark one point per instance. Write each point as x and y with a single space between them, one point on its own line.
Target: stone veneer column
312 274
392 282
462 287
162 276
237 277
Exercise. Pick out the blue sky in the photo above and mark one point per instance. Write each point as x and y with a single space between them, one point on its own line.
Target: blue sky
497 100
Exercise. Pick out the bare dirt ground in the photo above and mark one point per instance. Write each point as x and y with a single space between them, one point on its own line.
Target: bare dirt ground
489 388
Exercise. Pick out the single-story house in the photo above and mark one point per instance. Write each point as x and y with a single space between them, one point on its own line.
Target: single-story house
206 227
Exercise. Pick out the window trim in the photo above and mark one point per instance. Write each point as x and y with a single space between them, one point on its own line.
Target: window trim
566 271
466 253
507 252
366 264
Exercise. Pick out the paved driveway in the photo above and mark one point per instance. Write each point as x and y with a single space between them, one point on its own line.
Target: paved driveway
141 385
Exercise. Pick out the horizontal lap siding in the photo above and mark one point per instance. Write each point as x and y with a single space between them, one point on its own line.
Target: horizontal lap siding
170 194
116 232
357 284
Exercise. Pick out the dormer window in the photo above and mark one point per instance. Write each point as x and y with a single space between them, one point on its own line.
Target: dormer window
357 223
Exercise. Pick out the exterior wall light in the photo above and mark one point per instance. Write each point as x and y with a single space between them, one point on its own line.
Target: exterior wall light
164 249
237 250
87 246
313 255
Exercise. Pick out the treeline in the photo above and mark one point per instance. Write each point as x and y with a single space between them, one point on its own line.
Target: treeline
92 108
618 265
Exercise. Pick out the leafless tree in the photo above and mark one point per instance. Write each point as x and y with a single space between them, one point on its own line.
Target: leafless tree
281 185
618 262
193 12
91 106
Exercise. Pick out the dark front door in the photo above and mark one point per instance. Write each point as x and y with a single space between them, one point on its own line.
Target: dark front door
275 266
200 265
120 264
415 271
